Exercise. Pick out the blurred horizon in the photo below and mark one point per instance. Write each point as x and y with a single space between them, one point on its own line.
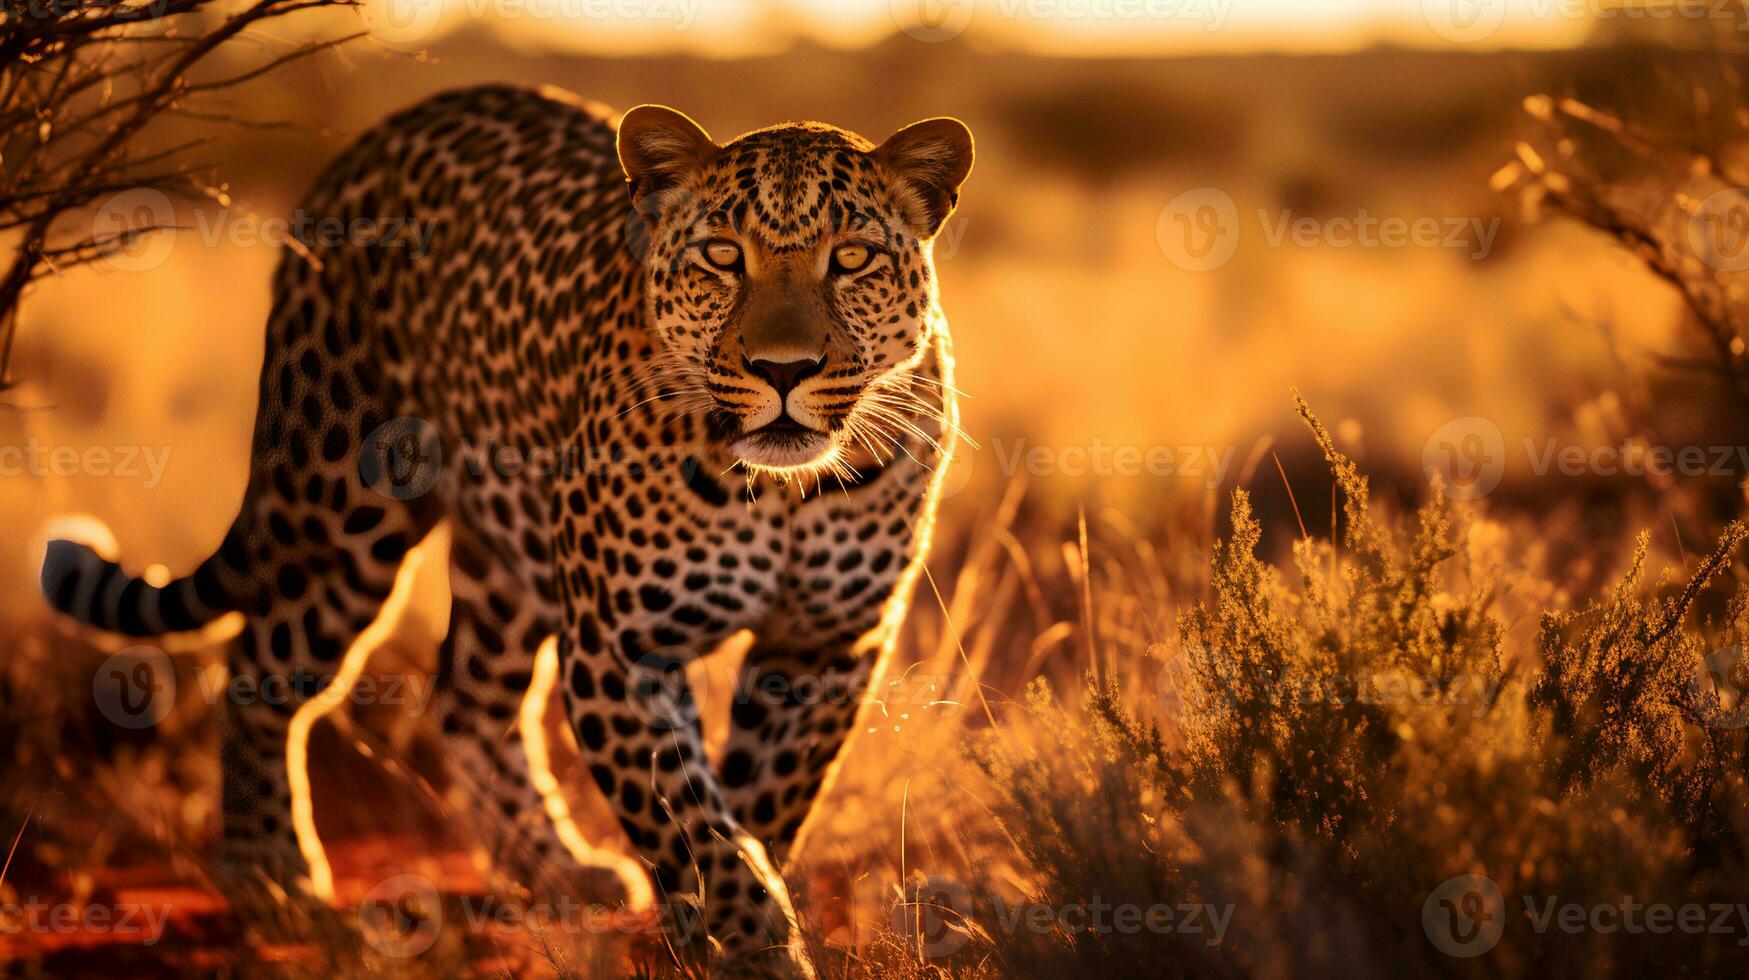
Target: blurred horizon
1079 326
1059 28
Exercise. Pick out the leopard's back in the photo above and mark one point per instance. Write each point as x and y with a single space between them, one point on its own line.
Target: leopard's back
478 239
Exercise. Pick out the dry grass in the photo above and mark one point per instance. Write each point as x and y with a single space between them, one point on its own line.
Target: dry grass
1318 757
1302 752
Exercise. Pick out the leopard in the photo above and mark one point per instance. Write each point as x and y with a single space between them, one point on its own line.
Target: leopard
662 391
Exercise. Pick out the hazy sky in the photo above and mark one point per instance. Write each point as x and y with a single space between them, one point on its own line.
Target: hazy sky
1091 27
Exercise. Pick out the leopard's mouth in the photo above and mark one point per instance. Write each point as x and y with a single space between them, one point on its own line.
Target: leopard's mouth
783 444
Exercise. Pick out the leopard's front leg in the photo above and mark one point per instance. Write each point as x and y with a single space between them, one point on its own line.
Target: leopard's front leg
819 656
639 736
794 708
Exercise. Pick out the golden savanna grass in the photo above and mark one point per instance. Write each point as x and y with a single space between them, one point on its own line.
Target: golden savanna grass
1310 749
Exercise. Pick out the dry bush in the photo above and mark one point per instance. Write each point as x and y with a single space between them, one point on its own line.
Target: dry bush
1318 758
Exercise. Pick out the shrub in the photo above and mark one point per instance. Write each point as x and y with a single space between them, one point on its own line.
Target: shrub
1333 753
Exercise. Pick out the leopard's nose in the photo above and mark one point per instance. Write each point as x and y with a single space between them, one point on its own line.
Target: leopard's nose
784 375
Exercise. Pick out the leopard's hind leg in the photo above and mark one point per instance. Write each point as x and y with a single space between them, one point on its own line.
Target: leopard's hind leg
499 619
338 494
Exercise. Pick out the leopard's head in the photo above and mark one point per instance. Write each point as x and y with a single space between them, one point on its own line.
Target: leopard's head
788 275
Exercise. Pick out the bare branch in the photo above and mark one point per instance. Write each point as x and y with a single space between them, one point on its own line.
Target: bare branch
1671 206
79 84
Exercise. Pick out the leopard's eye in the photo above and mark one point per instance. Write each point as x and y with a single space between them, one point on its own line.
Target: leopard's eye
850 258
724 255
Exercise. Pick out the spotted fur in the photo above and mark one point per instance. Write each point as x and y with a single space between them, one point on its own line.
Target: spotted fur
640 450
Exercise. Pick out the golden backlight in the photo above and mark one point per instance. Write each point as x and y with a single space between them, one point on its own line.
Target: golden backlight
1181 213
1076 28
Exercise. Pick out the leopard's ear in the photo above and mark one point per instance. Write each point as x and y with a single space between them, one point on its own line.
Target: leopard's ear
929 161
659 148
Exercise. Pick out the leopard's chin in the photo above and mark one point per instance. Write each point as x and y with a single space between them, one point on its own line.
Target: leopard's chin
784 448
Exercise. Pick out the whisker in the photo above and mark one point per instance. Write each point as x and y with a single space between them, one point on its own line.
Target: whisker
854 426
896 419
937 383
928 411
900 444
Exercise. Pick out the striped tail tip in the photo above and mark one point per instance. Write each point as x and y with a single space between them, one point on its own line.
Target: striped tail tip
93 590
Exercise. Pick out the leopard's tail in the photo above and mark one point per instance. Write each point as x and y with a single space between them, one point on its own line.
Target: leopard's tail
93 590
